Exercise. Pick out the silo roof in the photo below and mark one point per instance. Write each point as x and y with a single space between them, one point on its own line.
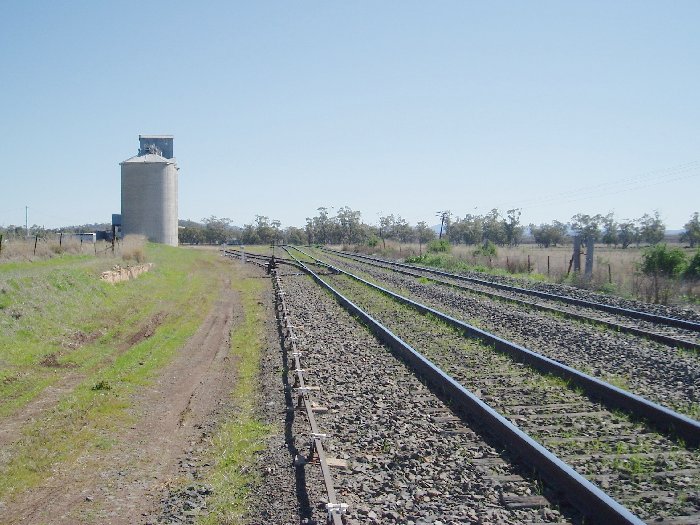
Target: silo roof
148 158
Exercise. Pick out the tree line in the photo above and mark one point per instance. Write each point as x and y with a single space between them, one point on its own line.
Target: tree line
347 227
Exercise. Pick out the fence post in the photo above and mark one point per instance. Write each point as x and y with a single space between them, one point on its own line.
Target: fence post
589 258
60 239
36 240
609 274
548 265
577 254
529 268
0 243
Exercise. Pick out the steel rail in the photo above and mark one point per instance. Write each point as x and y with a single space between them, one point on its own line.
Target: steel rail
257 256
660 338
627 312
661 417
589 499
334 509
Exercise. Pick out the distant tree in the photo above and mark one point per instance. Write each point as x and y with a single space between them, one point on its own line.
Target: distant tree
511 226
586 226
349 225
295 236
651 228
323 226
547 235
402 230
310 233
424 234
628 233
493 228
386 226
691 232
216 229
610 232
191 235
444 217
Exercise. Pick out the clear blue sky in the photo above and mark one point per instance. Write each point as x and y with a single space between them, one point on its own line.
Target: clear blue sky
399 107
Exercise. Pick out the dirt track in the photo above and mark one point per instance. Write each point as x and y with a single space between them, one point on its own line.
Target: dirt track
123 485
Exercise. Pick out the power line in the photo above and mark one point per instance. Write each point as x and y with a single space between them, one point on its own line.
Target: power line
681 172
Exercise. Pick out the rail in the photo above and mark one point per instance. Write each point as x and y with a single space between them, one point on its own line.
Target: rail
334 509
660 338
661 417
593 502
635 314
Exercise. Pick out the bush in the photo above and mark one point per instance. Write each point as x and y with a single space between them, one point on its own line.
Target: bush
488 249
439 246
663 265
372 241
660 260
692 271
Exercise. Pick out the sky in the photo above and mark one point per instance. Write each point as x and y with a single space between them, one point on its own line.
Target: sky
402 107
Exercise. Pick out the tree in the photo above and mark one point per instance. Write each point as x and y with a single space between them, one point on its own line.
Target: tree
609 230
216 229
386 225
586 226
547 235
444 220
296 236
511 226
691 233
323 226
651 228
494 230
424 234
349 225
401 230
628 232
191 235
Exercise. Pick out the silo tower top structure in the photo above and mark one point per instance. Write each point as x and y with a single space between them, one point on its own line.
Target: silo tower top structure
156 144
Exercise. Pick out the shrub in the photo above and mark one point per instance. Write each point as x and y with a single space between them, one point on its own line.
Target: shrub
439 246
692 271
660 260
372 241
488 249
664 265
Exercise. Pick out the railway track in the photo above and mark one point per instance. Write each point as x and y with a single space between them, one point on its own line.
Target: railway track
676 332
632 362
651 474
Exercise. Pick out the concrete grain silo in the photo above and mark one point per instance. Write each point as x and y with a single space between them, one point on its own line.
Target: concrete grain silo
149 191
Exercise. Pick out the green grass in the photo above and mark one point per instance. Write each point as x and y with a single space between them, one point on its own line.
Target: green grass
60 297
239 439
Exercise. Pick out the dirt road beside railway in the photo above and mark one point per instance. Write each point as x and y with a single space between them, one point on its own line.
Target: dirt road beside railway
124 483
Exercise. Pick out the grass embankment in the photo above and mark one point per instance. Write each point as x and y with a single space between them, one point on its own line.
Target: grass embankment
60 325
237 440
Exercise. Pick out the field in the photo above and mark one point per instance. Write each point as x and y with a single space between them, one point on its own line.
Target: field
103 388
